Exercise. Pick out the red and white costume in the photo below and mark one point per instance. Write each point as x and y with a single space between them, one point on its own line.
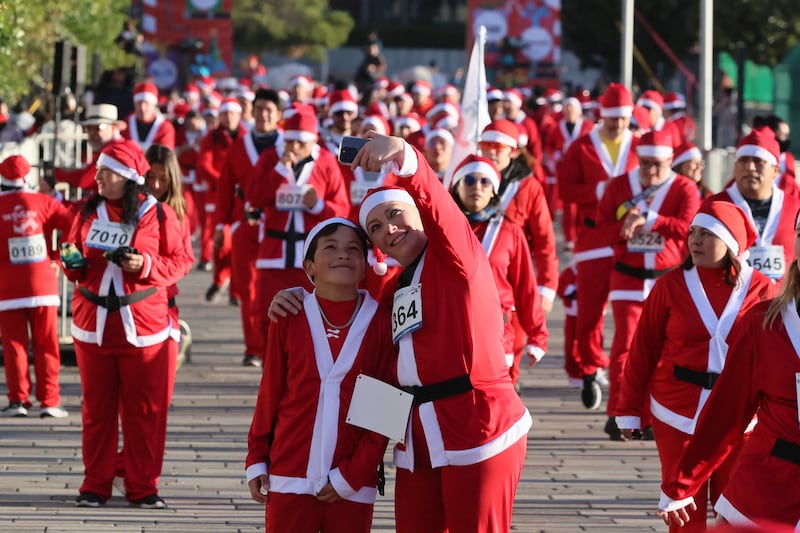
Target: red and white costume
299 436
29 292
475 438
760 376
567 291
583 175
160 131
658 247
684 126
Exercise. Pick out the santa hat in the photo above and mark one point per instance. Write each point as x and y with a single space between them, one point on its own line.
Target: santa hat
320 96
181 110
379 195
493 94
573 101
616 102
439 133
760 143
475 164
244 90
342 100
442 108
514 97
378 109
655 143
297 107
321 226
124 157
381 83
302 127
421 87
214 100
651 99
729 222
407 97
412 121
206 83
230 104
553 95
395 89
446 93
377 122
300 79
585 98
191 91
640 117
145 91
501 131
673 100
13 170
686 152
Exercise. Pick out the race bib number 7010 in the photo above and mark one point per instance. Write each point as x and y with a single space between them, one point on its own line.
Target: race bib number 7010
109 235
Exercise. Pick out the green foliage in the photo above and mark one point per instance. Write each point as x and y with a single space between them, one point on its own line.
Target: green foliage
30 28
297 27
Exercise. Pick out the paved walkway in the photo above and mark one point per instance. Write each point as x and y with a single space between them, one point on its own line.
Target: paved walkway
574 478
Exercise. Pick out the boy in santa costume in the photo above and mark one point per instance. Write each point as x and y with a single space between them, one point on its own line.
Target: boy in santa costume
314 471
146 125
29 290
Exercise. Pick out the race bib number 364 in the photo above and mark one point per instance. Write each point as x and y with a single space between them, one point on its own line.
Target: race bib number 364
406 311
109 235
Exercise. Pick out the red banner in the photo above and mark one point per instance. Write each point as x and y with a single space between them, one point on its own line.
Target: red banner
185 39
523 40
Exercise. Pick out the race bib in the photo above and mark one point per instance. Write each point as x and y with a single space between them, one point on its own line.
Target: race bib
358 189
30 249
406 311
109 235
290 197
768 260
646 242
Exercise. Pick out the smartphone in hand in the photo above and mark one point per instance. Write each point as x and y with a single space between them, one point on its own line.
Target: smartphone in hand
349 147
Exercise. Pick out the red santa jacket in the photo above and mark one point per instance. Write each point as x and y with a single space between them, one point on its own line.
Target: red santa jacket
510 259
461 334
660 245
559 141
759 376
27 276
323 174
524 203
144 322
679 327
161 132
786 164
177 245
211 159
298 435
684 126
779 229
234 177
583 175
532 141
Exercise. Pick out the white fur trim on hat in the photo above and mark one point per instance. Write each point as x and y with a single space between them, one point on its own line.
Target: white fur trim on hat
322 225
12 183
494 94
753 150
715 226
494 136
513 98
440 133
408 122
235 107
616 112
343 105
114 165
145 96
646 102
478 167
649 150
572 101
373 200
300 135
377 123
688 155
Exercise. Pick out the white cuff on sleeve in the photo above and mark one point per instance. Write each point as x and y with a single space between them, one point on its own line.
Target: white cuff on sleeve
534 351
255 470
547 292
410 164
665 503
628 422
650 220
219 227
318 207
342 487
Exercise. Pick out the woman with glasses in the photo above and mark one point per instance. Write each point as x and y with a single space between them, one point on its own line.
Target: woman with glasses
475 184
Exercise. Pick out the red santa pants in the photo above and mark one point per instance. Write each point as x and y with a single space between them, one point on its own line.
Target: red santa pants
43 323
572 364
243 264
269 282
475 498
131 385
222 255
568 216
303 513
592 286
520 339
206 245
670 443
626 317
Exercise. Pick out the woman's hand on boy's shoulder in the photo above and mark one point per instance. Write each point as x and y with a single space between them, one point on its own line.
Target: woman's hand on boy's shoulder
284 302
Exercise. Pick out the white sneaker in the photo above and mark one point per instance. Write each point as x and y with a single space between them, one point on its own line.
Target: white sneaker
602 377
15 409
119 484
53 412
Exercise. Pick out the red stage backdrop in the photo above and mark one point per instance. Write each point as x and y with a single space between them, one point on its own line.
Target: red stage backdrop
523 40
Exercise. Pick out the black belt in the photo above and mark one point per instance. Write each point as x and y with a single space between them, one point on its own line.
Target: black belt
641 273
286 235
171 302
437 391
113 302
786 450
701 379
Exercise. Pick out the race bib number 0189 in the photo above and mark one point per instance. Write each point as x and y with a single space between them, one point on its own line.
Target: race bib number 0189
406 311
108 235
646 242
768 260
290 197
30 249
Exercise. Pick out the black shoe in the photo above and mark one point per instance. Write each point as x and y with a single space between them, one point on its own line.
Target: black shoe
89 499
234 301
154 501
252 360
204 266
591 395
612 430
16 410
647 433
212 294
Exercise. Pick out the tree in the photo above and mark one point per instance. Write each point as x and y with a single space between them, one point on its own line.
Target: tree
298 27
30 28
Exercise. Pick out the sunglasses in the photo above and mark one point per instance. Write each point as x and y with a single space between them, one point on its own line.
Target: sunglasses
471 179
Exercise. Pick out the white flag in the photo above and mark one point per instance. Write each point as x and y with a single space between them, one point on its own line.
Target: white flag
474 109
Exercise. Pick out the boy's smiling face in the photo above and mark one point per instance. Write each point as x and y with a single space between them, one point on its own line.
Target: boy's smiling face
338 259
